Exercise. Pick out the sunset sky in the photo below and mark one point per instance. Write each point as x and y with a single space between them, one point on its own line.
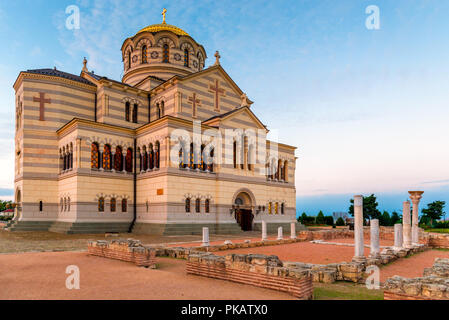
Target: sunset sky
368 109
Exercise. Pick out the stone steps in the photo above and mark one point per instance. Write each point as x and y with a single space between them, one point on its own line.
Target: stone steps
185 229
19 226
89 227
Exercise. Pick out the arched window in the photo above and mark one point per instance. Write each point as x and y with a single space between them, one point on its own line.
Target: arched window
165 53
151 156
118 161
198 205
207 206
135 110
234 152
129 59
129 160
209 159
147 205
127 111
145 159
188 205
202 166
278 173
157 155
270 208
144 54
65 204
276 208
160 109
41 206
286 171
282 208
124 205
186 58
192 157
94 156
181 158
68 204
113 205
250 158
61 204
101 204
107 157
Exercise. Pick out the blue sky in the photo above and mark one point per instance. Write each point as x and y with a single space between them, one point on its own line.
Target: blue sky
367 108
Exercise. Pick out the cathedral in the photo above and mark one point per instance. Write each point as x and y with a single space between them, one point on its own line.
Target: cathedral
173 147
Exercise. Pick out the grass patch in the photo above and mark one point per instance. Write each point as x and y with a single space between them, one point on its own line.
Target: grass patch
345 291
437 230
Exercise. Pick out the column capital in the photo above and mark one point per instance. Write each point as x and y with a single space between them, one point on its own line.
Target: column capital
415 196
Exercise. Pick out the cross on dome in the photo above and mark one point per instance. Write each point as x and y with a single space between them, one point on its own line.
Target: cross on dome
164 12
217 58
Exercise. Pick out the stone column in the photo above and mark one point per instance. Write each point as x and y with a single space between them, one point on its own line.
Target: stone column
280 233
375 246
358 228
293 230
205 237
406 225
398 236
415 196
264 231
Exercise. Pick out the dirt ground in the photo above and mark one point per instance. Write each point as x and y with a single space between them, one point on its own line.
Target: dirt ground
43 276
17 242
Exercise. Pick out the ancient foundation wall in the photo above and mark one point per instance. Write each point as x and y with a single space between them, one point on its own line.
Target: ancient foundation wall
434 285
256 270
124 250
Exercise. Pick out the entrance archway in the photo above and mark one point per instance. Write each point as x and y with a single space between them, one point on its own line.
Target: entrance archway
243 204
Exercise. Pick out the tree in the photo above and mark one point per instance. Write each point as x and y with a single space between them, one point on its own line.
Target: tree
395 218
303 218
384 219
4 204
434 211
320 218
340 222
369 208
329 220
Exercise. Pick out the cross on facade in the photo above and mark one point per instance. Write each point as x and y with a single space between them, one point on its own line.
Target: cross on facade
218 91
42 101
194 101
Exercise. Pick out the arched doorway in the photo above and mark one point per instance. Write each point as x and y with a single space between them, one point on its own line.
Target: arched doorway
243 213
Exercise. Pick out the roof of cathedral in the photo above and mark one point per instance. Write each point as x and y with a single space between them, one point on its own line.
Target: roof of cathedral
164 27
60 74
224 115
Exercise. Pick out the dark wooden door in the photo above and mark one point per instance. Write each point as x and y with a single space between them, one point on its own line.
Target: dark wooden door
245 219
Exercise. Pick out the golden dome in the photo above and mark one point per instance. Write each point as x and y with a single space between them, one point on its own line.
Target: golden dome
164 27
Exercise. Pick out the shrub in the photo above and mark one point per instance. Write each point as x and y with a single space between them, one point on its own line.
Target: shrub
329 220
340 222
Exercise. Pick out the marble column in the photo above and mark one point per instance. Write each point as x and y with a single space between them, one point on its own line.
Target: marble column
293 230
358 228
415 196
398 238
406 225
205 237
375 246
280 233
264 231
